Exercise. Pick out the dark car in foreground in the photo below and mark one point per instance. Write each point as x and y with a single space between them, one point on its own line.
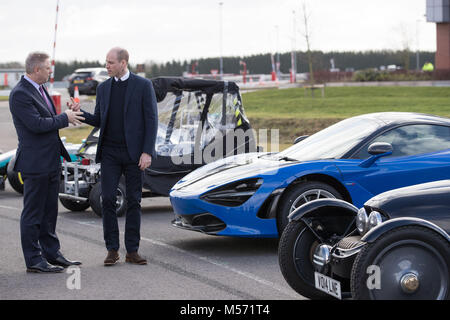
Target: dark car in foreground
397 246
87 80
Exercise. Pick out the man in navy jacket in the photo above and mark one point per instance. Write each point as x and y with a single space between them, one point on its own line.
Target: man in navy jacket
38 158
126 112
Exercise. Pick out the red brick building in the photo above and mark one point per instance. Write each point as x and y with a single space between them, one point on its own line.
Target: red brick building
438 11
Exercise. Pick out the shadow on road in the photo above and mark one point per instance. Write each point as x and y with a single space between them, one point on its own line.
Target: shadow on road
230 246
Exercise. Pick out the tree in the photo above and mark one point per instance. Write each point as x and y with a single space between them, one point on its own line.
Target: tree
405 40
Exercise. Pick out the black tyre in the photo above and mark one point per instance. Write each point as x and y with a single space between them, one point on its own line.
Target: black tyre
295 256
300 194
14 178
413 262
2 181
95 199
74 205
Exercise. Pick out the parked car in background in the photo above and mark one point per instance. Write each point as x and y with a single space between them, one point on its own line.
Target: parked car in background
353 160
397 246
87 80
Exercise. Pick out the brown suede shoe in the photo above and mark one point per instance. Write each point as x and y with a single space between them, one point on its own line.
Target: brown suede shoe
111 258
135 258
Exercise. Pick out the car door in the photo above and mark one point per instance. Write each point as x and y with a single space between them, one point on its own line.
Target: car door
421 153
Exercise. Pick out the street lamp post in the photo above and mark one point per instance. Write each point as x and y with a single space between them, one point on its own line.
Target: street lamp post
293 54
221 39
278 52
417 45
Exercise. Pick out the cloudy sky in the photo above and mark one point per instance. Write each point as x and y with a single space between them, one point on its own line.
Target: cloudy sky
162 30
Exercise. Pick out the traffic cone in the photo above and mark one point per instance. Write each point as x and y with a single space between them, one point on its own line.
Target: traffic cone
76 95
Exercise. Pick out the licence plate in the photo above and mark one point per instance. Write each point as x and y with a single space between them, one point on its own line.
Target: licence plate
78 81
328 285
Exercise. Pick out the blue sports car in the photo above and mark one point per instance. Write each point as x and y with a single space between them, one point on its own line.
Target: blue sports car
252 195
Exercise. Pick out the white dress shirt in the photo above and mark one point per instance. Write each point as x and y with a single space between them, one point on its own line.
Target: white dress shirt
124 77
32 82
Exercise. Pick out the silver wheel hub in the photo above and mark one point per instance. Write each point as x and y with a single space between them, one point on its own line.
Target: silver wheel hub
409 283
310 195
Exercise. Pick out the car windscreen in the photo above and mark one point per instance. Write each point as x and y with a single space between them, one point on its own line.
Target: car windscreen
334 141
179 120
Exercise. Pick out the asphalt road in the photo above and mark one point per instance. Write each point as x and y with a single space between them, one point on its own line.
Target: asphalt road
181 264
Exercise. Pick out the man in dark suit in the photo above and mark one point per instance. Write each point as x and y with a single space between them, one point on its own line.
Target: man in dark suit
126 112
38 158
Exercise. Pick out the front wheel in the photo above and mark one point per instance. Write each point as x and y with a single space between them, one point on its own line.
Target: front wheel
299 195
295 256
74 205
409 262
95 199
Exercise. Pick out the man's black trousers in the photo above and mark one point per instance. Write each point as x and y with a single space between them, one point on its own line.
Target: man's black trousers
116 162
39 215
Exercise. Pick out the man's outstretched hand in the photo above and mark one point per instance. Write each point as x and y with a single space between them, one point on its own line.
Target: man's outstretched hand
75 117
74 106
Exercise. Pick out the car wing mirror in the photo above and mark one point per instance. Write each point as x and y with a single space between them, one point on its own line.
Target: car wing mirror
377 150
301 138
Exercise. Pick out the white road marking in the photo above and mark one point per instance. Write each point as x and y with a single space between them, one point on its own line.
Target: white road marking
10 208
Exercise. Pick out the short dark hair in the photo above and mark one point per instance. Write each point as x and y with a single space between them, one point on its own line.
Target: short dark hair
35 59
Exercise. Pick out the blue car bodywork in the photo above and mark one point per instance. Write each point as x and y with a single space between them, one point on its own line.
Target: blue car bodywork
242 195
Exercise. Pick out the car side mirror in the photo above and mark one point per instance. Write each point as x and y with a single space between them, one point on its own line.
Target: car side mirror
377 150
298 139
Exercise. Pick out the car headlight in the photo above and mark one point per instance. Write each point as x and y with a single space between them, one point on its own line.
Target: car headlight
362 221
233 194
374 219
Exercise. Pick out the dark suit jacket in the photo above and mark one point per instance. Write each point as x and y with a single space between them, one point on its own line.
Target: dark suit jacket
140 116
40 147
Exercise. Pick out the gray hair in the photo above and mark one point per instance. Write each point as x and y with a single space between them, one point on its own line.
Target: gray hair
35 59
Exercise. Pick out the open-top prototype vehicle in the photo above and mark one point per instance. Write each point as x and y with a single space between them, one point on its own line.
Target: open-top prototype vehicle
397 246
195 119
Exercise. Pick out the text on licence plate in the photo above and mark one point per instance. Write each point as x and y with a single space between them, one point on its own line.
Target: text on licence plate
328 285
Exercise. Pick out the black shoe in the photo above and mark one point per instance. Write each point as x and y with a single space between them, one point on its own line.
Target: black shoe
44 267
63 262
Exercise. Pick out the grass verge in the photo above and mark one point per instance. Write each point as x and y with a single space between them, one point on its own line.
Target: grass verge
294 112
